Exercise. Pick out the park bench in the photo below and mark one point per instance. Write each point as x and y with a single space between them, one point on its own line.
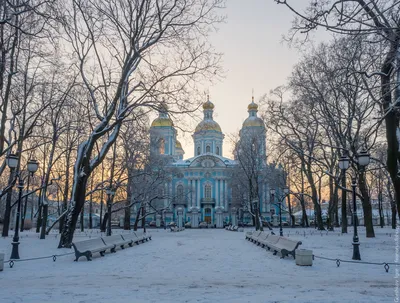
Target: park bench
271 240
88 247
262 239
145 236
254 236
117 240
133 238
235 228
285 246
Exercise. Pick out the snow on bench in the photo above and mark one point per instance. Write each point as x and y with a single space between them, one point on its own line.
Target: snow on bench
285 246
176 229
88 247
232 228
275 243
117 240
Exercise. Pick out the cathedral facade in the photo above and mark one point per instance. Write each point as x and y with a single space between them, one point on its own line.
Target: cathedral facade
201 188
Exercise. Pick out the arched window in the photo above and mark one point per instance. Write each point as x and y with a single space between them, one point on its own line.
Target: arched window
161 146
198 150
208 149
207 191
179 190
217 150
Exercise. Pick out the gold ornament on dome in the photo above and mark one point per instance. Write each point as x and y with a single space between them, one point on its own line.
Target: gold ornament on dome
208 125
253 122
162 122
178 145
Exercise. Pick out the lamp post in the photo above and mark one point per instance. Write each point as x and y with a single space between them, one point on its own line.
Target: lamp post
12 163
110 194
280 200
165 224
33 166
363 159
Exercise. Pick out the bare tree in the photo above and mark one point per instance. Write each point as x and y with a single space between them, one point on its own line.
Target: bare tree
136 69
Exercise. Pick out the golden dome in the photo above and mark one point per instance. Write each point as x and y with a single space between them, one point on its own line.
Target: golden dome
162 122
208 105
178 145
253 121
208 125
252 106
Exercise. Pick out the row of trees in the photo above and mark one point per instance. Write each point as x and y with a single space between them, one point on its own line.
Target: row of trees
78 80
341 98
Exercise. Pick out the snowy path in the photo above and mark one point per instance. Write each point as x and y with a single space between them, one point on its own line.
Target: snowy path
201 266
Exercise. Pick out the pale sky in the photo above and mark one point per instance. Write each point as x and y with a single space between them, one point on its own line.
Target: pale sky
255 57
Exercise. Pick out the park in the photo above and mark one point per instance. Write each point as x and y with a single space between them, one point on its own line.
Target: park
199 151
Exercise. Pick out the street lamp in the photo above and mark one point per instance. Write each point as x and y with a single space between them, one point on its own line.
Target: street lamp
286 191
33 166
110 194
363 159
12 162
165 223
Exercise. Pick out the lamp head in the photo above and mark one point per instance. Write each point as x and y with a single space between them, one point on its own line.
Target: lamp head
272 191
33 166
12 161
286 190
363 157
344 162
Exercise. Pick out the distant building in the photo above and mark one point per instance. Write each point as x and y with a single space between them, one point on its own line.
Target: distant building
202 190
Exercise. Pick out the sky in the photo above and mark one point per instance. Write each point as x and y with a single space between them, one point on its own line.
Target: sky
255 58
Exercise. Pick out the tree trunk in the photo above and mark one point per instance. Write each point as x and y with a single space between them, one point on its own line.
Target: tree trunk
391 117
144 218
66 189
25 205
39 215
7 212
135 226
82 219
91 204
103 225
44 221
75 207
366 203
317 207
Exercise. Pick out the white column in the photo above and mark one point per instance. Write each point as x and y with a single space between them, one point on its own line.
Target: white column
198 193
226 194
165 192
216 193
221 192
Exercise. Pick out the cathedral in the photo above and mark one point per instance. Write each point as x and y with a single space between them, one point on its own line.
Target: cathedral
200 189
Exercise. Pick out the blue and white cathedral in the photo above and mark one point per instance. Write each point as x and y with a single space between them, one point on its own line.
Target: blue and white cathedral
201 191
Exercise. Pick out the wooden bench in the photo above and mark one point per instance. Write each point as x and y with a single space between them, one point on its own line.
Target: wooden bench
262 239
117 240
133 238
285 246
88 247
271 240
254 236
143 236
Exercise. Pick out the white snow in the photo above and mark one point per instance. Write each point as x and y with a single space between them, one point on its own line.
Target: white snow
202 266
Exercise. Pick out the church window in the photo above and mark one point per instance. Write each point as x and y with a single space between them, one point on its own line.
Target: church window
179 190
208 149
207 191
198 150
161 146
218 151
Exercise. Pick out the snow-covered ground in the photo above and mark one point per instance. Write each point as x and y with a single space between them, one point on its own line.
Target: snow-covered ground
202 266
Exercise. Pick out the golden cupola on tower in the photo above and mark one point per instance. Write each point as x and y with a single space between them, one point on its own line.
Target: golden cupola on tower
208 124
253 120
163 119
